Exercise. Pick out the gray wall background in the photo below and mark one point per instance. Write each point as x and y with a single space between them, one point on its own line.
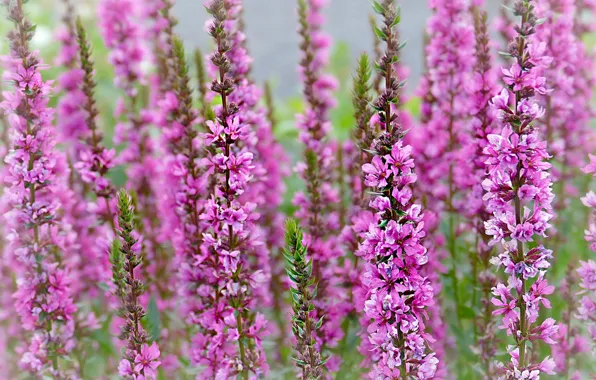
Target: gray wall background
273 42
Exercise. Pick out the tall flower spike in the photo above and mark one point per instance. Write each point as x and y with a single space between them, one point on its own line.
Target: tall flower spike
445 165
519 196
316 206
483 123
266 189
124 26
303 290
360 215
140 358
182 204
397 294
38 236
229 341
90 266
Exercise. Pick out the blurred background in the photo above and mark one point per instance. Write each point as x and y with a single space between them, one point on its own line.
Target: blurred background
273 42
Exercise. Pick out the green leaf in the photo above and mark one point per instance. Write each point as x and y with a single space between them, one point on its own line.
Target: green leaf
402 45
319 323
153 319
397 17
467 312
380 34
103 286
377 7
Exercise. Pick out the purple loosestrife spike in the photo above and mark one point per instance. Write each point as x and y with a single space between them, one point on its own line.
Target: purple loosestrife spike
483 122
94 159
397 293
38 235
91 266
444 165
356 154
183 201
519 195
229 339
266 189
303 290
124 25
140 358
316 206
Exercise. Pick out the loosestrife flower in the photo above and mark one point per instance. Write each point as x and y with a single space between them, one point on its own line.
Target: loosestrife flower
303 290
185 185
519 195
125 24
230 331
360 215
316 213
483 122
140 360
397 293
445 172
37 236
75 126
266 189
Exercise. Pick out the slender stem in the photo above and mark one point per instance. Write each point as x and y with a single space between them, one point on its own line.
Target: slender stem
403 369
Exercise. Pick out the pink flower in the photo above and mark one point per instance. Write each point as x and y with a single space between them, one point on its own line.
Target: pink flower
587 274
591 167
125 368
147 361
377 172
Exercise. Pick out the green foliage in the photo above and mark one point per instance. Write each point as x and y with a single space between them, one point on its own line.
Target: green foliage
152 321
303 292
118 273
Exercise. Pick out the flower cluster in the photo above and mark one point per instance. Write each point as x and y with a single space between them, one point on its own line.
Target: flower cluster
37 237
397 292
71 123
125 26
519 196
444 166
267 187
483 123
230 330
